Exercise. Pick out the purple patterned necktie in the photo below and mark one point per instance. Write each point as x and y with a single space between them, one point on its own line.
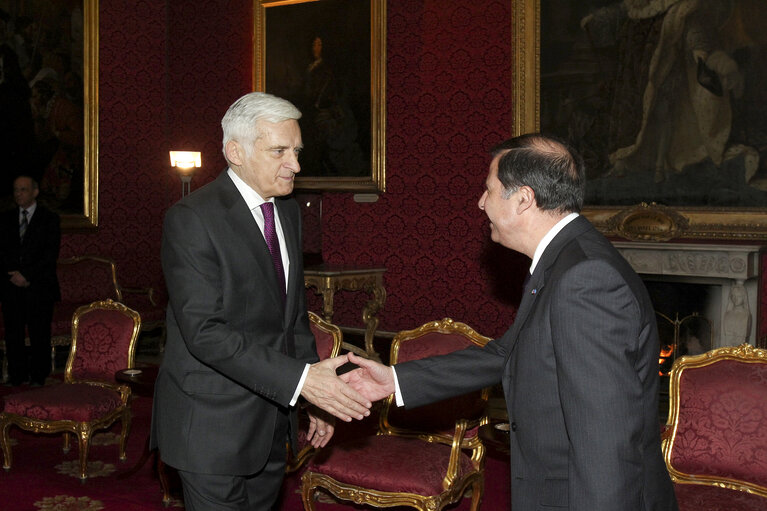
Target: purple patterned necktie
270 234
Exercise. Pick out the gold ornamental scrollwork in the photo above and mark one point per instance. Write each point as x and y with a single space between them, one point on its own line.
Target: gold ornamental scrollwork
647 222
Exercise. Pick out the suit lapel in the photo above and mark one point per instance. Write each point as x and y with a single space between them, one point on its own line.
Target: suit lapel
542 270
289 231
241 221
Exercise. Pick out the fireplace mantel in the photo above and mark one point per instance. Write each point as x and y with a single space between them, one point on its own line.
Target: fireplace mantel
734 262
725 267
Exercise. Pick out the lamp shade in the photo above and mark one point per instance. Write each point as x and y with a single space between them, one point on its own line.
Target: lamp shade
185 161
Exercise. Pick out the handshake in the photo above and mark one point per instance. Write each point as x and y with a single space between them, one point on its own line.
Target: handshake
347 396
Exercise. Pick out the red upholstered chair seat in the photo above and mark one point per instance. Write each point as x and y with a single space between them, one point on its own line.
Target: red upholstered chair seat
390 464
694 497
79 402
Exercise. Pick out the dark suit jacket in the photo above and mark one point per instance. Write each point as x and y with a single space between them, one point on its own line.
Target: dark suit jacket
579 368
224 371
35 258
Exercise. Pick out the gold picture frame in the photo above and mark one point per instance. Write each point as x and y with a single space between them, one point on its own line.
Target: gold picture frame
89 219
56 48
336 151
644 220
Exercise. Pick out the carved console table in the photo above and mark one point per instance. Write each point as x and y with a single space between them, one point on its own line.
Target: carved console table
326 279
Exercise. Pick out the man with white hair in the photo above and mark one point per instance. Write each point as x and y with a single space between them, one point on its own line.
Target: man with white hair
239 351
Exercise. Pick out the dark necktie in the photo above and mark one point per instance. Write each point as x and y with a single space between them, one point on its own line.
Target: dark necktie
270 234
24 224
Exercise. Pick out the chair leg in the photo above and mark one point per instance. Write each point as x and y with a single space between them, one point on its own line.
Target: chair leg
307 493
5 443
84 438
476 495
163 476
126 424
66 442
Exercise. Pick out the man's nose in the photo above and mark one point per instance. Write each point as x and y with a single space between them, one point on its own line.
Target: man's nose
293 164
482 200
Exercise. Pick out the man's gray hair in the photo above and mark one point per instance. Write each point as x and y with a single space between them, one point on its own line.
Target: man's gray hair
239 122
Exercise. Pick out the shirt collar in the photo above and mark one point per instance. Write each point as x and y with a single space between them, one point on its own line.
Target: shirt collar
550 236
252 198
30 210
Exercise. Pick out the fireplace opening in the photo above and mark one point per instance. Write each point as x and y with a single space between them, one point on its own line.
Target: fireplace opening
683 316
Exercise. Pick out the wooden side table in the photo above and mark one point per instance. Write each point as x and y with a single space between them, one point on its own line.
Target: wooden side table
326 279
496 435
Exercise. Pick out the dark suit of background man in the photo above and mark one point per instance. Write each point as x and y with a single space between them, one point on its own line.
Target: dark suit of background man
239 350
579 365
31 286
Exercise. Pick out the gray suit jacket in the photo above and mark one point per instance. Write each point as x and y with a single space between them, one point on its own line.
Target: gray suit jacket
234 354
579 368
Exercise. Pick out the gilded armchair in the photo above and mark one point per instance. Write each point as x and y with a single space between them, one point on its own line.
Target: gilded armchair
328 338
715 442
104 337
425 458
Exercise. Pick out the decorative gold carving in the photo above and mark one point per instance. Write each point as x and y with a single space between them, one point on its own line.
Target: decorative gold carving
646 222
328 279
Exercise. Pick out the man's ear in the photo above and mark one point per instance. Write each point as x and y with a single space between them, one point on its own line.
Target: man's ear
525 198
234 152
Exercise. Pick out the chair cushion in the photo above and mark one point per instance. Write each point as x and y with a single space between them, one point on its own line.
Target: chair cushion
697 497
67 401
388 463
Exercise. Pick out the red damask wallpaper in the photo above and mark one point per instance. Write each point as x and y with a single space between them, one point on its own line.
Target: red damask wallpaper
169 70
448 102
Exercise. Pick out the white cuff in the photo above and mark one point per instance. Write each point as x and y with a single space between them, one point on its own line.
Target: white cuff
397 392
300 385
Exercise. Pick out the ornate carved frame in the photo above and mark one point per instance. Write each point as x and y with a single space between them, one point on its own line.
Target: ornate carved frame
642 222
376 182
89 218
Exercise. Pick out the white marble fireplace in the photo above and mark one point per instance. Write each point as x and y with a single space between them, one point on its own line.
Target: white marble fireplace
729 271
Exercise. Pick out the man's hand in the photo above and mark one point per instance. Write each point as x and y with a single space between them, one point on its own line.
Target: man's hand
17 279
324 389
373 380
321 427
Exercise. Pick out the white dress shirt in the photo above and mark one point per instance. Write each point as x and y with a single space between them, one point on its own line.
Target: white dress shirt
254 201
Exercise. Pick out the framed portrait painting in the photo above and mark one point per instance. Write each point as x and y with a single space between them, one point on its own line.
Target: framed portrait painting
50 104
665 99
328 57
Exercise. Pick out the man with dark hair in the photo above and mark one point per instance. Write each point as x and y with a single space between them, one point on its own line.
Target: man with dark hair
30 235
579 365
